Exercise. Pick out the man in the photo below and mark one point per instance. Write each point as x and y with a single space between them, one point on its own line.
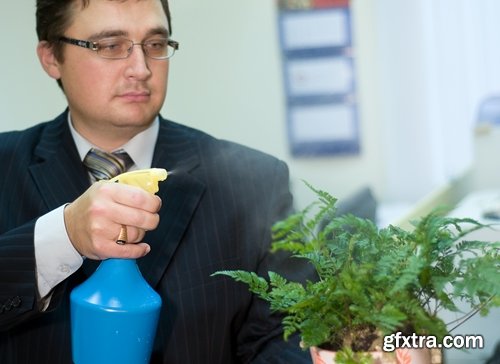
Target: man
214 212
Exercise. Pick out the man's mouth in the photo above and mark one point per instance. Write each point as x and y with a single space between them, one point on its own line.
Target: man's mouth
135 96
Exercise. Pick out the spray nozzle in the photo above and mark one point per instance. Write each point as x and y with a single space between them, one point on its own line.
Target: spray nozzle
147 179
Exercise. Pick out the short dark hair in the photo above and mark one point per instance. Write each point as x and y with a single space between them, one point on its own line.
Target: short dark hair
53 17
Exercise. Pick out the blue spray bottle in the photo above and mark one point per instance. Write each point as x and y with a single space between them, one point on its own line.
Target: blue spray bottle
114 313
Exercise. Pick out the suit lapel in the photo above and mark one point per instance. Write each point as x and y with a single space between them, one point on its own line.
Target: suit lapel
180 195
58 174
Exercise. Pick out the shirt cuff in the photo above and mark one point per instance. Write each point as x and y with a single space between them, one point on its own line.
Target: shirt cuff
56 258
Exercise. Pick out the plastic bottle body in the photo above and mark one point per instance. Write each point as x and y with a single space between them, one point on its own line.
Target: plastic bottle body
114 315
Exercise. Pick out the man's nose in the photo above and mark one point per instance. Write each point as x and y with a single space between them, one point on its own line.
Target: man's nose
138 62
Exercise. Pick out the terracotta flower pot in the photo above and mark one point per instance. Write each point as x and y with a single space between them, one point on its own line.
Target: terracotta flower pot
399 356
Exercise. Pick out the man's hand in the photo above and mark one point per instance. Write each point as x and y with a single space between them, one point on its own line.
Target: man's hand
94 220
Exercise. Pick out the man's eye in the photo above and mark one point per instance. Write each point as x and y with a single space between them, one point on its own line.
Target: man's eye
110 45
156 43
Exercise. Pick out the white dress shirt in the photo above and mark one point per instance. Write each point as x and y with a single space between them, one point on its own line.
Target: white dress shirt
56 258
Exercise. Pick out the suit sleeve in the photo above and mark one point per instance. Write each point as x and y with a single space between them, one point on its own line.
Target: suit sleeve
24 197
18 292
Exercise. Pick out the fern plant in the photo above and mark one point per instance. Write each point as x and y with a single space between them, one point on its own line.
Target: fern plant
374 281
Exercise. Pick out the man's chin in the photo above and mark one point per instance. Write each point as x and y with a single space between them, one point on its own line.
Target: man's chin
136 118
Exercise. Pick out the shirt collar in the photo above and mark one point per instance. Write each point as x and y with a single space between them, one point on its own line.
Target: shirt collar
140 148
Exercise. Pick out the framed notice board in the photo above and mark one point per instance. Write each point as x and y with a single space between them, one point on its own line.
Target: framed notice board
318 66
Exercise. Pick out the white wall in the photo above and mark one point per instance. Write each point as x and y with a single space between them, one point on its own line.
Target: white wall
227 80
27 95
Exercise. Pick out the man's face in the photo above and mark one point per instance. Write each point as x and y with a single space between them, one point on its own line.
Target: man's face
114 96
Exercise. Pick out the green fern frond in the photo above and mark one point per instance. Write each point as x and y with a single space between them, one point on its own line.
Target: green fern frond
256 284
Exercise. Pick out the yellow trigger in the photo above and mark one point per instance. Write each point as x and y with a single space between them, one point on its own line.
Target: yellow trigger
147 179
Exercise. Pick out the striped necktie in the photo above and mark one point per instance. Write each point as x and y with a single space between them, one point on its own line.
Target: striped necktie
102 165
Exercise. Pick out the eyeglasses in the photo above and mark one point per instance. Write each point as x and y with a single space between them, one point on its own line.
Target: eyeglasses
120 48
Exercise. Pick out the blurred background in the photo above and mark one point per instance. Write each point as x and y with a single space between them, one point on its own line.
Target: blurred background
427 77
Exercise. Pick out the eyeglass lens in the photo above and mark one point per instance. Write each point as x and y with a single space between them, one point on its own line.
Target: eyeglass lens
121 48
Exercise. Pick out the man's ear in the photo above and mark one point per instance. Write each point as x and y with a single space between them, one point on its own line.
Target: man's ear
48 60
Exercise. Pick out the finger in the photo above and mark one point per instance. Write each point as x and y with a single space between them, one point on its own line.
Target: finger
129 216
136 197
133 251
125 251
133 206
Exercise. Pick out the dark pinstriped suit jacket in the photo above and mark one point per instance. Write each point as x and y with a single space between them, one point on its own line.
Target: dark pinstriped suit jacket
217 209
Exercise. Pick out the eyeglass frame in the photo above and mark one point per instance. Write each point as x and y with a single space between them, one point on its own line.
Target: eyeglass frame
94 46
